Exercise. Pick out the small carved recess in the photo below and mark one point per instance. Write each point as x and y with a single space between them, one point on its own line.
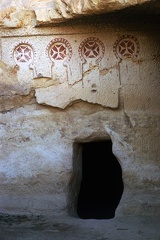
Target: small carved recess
126 46
23 54
59 49
91 48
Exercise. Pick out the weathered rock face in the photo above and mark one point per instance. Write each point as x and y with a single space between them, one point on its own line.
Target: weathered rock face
41 12
69 84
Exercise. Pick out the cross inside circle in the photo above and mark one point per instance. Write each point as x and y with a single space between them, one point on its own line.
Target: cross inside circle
23 53
58 51
126 48
91 49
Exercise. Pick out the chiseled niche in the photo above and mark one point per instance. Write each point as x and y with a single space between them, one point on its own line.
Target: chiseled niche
70 68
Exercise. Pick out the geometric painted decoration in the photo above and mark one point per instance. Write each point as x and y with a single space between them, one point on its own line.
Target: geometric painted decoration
91 48
23 54
126 46
59 49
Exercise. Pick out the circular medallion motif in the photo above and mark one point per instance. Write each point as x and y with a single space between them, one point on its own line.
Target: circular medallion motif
91 48
23 54
59 49
126 47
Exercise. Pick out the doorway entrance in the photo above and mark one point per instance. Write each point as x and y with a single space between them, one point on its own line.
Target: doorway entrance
102 185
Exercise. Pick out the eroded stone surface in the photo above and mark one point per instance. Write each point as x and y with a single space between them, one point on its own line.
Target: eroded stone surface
72 228
37 157
32 12
70 84
63 69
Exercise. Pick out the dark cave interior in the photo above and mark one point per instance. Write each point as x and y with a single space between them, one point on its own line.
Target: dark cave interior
102 185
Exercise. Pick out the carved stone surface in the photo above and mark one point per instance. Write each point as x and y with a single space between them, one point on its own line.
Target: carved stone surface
74 72
70 84
23 54
126 47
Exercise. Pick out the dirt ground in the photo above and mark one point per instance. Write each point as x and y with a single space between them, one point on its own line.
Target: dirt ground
73 228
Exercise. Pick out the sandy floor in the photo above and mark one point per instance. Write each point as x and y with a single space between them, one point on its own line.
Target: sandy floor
72 228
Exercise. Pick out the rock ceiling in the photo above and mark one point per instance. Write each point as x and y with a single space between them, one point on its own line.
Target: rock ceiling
19 13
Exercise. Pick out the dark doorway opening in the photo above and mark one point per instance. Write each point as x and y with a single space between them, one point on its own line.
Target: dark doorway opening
102 185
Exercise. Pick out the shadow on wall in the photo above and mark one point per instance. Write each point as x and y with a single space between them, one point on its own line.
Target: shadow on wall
102 185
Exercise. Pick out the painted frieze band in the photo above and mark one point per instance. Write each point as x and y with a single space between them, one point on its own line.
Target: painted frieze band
126 46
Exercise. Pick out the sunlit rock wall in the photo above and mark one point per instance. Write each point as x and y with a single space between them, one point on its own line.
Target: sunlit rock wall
73 83
19 13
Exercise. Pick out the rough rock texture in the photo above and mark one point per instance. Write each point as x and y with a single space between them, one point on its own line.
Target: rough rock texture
61 86
21 13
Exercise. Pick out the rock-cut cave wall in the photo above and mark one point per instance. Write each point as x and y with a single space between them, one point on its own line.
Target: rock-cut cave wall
61 86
